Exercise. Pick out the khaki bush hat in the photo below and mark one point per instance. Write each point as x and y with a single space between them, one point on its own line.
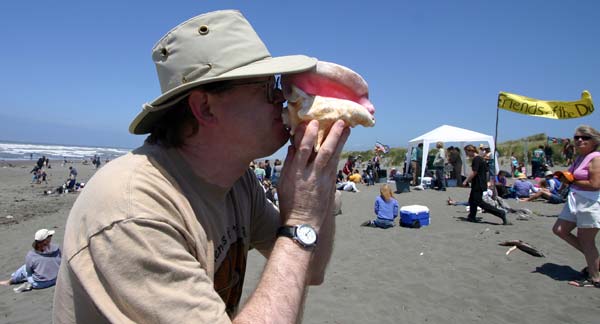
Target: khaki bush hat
216 46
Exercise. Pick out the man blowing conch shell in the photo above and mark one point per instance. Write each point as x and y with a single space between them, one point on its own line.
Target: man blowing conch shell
162 234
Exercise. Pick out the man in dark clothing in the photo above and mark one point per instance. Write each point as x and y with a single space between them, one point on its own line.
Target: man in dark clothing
40 162
268 170
537 161
478 179
548 152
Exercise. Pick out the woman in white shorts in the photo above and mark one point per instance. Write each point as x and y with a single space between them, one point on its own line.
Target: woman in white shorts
582 209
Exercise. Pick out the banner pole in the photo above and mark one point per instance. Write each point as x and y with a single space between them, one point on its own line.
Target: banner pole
493 178
496 133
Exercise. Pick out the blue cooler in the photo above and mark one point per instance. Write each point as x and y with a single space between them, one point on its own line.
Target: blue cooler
409 215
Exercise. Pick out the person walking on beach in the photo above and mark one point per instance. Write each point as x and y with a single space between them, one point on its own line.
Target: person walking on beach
41 264
386 209
163 235
582 210
478 179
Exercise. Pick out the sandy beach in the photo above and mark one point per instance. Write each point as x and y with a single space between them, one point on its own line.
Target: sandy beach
449 272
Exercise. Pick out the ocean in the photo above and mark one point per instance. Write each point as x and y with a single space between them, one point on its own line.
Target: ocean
57 152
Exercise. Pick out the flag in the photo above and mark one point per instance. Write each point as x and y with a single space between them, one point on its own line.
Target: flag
548 109
380 147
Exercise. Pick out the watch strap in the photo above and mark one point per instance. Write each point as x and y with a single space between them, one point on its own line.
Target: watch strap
290 231
287 231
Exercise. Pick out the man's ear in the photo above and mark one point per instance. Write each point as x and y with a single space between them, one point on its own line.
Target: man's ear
198 102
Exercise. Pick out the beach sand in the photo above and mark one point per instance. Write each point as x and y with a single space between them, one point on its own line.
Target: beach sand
449 272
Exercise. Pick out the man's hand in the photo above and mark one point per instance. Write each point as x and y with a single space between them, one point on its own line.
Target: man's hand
307 184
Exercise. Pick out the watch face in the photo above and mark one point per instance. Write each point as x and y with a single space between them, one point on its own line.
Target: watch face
306 234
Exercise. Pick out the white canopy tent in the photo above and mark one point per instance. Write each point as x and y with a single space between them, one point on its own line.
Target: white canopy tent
450 134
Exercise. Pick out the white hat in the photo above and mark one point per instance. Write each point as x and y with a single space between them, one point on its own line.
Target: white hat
43 234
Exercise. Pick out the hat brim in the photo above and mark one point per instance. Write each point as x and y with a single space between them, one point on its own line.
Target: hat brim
143 122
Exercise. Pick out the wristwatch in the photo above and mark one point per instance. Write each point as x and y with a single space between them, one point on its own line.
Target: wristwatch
303 234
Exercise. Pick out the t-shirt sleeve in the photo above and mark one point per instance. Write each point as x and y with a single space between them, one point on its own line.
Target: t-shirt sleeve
144 268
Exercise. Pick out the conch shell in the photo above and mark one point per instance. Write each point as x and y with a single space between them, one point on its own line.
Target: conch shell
328 93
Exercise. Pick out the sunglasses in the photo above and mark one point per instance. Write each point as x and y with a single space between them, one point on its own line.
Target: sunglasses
272 88
583 138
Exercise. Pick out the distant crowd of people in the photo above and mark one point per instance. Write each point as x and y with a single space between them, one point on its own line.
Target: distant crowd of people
268 176
40 174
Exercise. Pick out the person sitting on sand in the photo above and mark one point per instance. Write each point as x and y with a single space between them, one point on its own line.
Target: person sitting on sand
553 183
522 187
340 177
386 208
547 192
501 184
347 186
355 177
41 264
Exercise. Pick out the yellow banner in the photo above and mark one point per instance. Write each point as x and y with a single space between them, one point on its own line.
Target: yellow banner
547 109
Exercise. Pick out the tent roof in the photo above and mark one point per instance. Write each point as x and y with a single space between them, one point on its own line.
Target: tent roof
446 133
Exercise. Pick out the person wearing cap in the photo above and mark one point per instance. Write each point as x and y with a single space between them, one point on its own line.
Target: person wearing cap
553 183
163 234
582 210
478 178
41 264
522 187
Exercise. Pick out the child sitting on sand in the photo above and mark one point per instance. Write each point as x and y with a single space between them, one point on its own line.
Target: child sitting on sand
386 208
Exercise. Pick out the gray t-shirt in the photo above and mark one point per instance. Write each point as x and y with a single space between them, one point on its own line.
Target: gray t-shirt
43 266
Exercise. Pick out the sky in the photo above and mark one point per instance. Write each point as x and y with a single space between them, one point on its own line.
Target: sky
78 72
